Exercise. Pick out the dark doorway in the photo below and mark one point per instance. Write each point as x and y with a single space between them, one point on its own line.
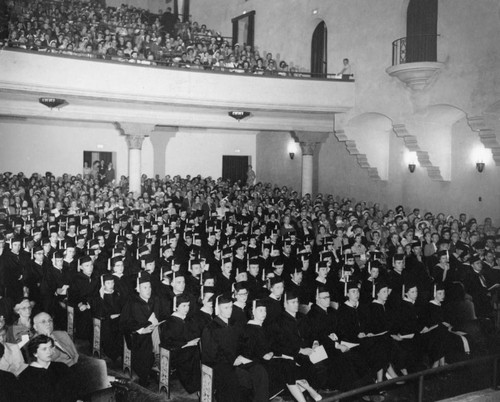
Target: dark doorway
244 29
91 157
235 168
319 51
421 30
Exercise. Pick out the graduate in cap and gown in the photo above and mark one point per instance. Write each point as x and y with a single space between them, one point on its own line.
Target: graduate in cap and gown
138 320
378 342
107 306
438 336
256 346
232 372
83 290
177 337
289 344
406 328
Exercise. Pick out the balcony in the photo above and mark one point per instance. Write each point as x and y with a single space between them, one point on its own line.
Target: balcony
414 61
109 91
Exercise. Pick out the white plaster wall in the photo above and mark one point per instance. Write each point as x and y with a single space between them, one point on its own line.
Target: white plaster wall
59 147
197 152
363 31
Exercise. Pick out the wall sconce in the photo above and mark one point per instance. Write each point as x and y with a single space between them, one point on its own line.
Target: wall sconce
53 102
292 148
480 167
237 115
411 167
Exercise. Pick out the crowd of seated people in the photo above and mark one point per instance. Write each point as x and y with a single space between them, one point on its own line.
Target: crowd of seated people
279 290
132 35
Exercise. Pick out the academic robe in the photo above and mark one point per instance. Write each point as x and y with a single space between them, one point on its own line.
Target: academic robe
175 333
135 315
219 345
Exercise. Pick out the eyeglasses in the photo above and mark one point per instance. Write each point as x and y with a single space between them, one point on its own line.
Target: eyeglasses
26 308
242 294
49 321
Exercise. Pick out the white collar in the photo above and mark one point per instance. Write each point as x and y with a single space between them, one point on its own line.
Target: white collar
350 304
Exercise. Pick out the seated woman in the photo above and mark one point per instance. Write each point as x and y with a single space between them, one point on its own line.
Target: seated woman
438 337
381 350
22 330
44 380
406 329
176 337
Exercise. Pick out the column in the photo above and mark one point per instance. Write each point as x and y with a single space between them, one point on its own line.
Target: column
160 138
310 142
134 134
308 149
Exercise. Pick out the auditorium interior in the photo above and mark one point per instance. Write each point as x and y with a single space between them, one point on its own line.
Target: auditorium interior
413 122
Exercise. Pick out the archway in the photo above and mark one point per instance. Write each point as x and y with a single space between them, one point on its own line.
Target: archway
319 51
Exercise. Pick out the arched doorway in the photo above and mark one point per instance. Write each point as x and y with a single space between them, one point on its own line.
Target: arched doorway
319 51
421 30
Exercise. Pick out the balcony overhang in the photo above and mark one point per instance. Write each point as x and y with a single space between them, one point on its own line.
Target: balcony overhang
104 91
416 76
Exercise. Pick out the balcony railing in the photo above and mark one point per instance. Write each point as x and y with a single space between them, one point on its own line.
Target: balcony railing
413 49
173 60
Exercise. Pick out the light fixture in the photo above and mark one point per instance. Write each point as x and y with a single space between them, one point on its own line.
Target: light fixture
315 11
52 102
480 167
292 147
411 167
238 115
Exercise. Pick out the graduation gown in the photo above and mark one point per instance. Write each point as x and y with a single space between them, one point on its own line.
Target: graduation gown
103 307
254 344
175 333
380 348
340 367
286 341
135 315
407 322
46 385
219 345
82 291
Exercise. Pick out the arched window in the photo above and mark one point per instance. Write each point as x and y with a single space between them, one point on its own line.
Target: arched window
319 51
421 30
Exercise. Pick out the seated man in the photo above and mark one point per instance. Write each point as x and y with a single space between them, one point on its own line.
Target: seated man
89 374
231 371
64 350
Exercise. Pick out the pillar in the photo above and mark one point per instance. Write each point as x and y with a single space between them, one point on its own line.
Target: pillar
308 149
160 138
134 135
310 142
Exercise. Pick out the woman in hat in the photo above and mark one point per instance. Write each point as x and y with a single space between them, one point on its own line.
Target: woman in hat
22 329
